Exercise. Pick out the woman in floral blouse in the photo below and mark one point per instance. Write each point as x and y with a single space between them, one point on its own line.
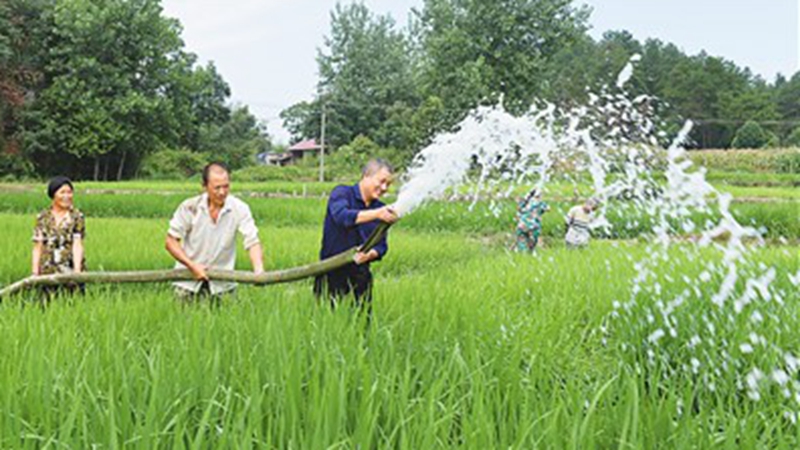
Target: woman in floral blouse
59 233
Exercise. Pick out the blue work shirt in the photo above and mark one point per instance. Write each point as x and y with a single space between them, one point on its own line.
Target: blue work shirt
340 231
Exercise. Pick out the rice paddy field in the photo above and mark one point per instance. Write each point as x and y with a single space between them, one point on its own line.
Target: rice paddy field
470 346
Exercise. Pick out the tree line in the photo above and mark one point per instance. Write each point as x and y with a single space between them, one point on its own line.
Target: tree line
104 89
399 86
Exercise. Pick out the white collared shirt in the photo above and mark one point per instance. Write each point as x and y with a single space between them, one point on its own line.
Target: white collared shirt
212 244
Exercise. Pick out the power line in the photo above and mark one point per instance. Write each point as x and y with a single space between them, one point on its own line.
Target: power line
332 105
741 121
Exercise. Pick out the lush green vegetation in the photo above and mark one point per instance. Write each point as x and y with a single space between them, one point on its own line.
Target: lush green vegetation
187 187
470 346
111 105
777 212
143 107
784 161
398 86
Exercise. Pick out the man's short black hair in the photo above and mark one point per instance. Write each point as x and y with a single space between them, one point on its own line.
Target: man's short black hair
211 165
374 165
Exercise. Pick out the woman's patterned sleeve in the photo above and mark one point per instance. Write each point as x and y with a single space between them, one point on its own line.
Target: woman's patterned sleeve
38 229
80 226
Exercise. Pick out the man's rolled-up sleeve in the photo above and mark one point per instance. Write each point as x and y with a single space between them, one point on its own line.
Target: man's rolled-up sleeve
247 226
338 205
180 223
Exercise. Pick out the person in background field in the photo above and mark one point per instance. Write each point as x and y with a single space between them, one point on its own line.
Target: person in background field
529 221
202 236
579 220
352 214
58 236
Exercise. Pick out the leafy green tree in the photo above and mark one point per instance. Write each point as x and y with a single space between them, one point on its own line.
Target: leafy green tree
754 102
302 119
615 50
358 152
476 51
793 140
571 73
696 89
197 97
407 130
20 70
116 85
237 141
788 98
364 70
173 164
750 135
658 60
464 53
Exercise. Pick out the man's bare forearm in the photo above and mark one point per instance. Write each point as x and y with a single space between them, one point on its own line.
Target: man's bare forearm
256 258
174 248
384 214
365 216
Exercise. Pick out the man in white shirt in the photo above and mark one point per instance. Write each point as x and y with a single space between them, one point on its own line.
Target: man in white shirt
579 223
202 235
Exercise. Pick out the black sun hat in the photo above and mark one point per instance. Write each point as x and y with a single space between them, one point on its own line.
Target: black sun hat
55 184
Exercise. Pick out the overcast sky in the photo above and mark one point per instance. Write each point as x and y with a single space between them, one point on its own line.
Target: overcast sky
266 49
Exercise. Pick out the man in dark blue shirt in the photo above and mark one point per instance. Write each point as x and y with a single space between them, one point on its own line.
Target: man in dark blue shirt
352 214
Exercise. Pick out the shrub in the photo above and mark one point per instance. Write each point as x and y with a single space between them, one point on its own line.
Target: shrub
274 173
173 164
750 135
357 152
15 167
354 155
793 140
13 164
773 141
345 163
788 161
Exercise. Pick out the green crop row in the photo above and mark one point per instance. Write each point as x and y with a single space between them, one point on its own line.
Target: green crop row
778 219
469 346
786 161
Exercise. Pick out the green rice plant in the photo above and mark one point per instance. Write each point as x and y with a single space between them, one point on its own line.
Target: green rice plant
470 346
761 193
749 178
188 187
484 217
761 161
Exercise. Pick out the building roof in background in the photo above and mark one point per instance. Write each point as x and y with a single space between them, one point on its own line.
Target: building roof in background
308 144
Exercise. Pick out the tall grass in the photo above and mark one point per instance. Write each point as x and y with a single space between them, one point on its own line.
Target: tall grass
184 187
779 219
470 346
753 179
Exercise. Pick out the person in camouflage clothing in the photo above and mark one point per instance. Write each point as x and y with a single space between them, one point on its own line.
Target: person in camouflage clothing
529 221
59 233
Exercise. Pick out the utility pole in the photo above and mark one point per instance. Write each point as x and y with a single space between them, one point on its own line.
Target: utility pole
322 147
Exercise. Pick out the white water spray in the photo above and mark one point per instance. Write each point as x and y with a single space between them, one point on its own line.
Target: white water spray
613 144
